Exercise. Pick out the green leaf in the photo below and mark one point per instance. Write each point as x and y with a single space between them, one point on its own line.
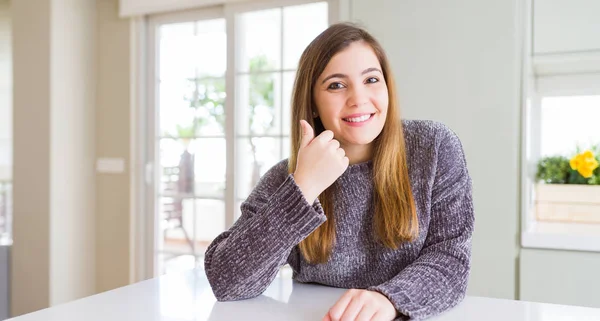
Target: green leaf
553 170
576 178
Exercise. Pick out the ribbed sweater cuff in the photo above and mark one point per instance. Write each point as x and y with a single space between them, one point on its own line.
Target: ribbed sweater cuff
400 300
296 214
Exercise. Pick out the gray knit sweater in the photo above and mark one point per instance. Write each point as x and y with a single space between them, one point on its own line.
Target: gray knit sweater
421 278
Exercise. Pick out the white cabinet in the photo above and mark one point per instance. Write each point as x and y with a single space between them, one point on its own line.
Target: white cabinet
560 277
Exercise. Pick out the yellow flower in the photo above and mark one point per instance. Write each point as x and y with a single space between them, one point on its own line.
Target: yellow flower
585 173
588 154
585 163
574 162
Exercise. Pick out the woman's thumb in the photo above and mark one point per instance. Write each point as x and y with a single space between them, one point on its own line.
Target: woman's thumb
307 133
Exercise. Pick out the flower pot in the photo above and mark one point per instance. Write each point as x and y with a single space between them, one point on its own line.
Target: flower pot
568 203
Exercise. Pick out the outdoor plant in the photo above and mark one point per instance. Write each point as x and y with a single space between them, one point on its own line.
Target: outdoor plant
582 168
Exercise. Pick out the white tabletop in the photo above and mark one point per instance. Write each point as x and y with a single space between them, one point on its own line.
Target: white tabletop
187 296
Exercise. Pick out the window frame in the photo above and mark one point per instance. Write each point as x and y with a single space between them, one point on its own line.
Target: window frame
547 76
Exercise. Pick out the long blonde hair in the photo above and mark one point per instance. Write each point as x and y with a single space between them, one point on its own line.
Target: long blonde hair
395 219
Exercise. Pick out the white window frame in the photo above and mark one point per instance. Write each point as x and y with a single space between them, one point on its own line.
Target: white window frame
143 122
548 76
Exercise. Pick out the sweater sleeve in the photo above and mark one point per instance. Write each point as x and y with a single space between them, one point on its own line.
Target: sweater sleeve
437 280
242 262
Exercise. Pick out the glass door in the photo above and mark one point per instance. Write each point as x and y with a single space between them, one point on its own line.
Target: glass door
189 147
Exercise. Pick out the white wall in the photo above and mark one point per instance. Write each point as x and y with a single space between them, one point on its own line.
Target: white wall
73 87
5 91
53 255
113 253
561 26
30 255
458 62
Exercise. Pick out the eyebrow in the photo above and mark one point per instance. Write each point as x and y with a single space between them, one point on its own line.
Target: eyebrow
366 71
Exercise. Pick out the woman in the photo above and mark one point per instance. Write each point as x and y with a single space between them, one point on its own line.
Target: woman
367 201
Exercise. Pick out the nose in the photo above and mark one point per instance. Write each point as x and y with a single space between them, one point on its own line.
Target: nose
358 96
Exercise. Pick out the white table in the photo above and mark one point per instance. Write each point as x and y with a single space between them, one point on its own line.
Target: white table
187 296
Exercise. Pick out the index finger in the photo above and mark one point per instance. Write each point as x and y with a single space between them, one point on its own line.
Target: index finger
325 136
337 310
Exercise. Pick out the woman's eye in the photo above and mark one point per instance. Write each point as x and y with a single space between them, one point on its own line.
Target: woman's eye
372 80
335 85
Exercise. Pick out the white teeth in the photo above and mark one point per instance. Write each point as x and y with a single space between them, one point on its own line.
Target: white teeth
358 119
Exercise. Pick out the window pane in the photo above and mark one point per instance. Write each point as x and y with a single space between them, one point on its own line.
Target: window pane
210 222
193 49
182 101
301 24
170 151
175 215
188 225
207 99
210 166
192 78
193 167
260 36
176 40
258 104
238 210
288 87
210 48
286 148
254 158
176 116
568 122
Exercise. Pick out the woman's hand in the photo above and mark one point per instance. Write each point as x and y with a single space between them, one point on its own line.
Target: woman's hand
320 162
362 305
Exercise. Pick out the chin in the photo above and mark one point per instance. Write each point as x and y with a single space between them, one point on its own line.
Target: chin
361 141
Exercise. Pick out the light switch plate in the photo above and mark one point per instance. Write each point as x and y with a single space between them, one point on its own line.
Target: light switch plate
110 165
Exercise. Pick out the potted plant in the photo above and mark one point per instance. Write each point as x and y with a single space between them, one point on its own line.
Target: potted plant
568 189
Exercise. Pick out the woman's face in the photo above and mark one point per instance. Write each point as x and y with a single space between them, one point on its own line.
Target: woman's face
351 95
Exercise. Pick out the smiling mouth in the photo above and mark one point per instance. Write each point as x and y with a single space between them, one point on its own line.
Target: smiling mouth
359 119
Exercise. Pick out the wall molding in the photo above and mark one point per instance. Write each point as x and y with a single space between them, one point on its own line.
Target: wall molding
132 8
